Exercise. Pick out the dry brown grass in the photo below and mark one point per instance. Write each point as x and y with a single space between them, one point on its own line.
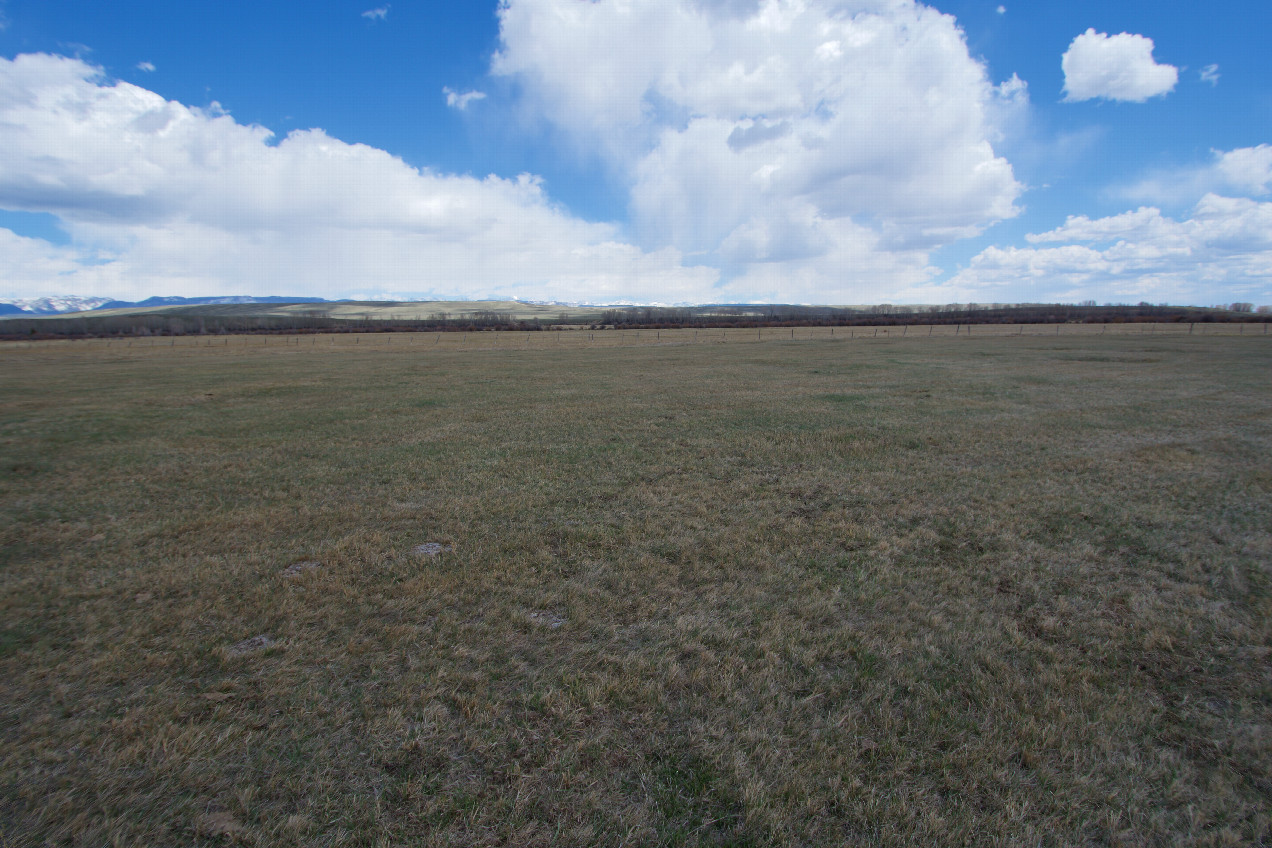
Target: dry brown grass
994 591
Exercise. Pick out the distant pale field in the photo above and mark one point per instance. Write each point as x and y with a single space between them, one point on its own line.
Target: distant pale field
413 310
457 309
628 589
374 310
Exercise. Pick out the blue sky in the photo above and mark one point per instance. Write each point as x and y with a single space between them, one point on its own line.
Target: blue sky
670 151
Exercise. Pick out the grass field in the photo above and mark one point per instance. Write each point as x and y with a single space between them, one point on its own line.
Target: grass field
822 591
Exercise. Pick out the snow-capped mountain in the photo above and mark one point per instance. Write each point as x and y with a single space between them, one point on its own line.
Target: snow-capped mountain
59 304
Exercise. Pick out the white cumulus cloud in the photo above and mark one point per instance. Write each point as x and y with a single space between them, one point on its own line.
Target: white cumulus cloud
812 150
1221 249
159 197
27 265
1114 67
1248 169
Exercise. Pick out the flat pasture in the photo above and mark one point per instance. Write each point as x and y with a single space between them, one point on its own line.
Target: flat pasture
736 587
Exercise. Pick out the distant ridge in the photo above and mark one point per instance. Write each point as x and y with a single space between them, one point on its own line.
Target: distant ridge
200 301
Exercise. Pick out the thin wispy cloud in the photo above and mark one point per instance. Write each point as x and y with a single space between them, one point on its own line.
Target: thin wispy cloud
455 100
1241 172
1209 74
377 14
79 51
146 66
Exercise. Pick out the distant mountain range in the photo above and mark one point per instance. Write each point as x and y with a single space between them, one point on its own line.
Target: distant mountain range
60 305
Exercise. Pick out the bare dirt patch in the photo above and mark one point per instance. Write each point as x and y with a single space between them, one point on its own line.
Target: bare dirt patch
547 619
250 646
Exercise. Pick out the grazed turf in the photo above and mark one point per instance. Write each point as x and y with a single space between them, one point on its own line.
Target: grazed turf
920 591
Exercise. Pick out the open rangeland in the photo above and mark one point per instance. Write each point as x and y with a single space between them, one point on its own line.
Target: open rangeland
514 590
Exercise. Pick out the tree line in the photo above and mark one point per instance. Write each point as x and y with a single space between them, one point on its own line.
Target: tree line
749 316
218 322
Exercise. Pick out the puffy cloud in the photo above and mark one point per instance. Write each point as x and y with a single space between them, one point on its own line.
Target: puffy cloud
455 100
1247 169
819 143
1114 67
796 149
28 264
159 197
1224 245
